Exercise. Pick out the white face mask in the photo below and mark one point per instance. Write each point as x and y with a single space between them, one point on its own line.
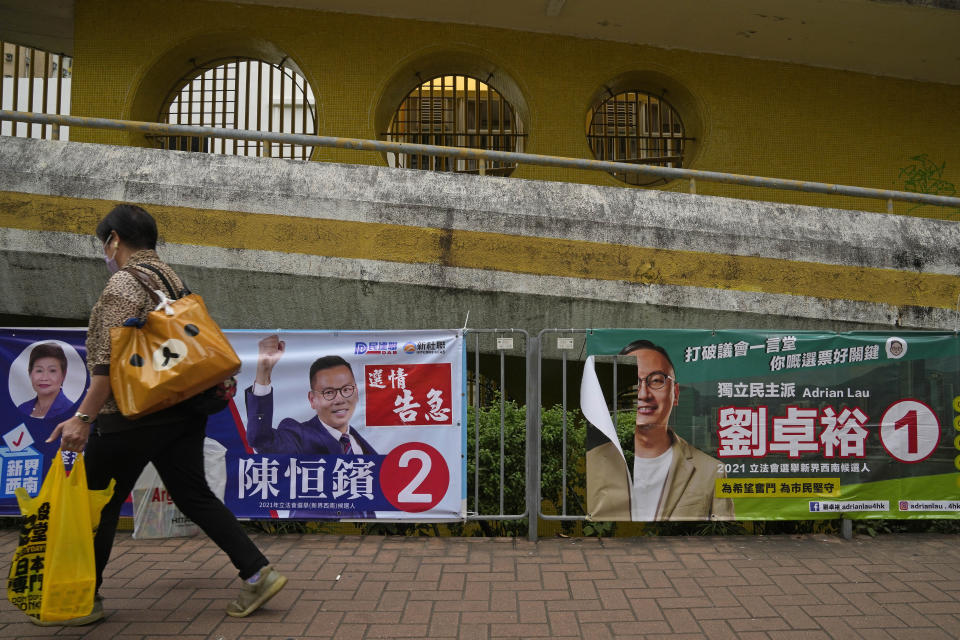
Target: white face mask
112 265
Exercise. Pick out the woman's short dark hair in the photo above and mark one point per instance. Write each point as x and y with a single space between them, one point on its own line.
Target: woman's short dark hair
133 224
48 350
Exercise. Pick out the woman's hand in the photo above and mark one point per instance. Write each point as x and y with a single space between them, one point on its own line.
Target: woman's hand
73 432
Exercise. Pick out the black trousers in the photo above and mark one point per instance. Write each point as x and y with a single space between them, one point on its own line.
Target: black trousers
176 450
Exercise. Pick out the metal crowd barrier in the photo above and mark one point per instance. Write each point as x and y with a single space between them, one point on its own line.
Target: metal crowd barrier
487 380
557 342
566 346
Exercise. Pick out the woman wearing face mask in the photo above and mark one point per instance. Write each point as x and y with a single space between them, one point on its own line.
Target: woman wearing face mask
172 439
48 368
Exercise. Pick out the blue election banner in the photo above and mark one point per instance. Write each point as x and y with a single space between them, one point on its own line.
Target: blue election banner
45 379
325 425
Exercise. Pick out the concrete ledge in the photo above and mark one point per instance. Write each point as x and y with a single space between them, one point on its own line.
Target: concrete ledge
37 245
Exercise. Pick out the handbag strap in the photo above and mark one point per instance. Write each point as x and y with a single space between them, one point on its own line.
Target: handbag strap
146 282
183 292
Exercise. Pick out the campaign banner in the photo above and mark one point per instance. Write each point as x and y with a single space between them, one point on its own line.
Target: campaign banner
325 425
46 376
772 424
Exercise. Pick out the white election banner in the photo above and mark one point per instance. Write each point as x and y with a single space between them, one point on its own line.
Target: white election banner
346 425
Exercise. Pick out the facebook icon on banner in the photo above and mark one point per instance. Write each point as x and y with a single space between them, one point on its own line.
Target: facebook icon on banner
814 506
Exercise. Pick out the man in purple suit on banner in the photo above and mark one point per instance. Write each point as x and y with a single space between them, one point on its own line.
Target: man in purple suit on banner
333 395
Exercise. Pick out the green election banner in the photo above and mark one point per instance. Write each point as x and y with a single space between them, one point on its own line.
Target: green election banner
768 424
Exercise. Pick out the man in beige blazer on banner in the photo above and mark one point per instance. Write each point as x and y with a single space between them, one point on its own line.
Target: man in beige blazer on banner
670 479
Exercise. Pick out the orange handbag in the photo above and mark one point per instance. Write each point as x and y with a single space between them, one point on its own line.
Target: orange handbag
177 353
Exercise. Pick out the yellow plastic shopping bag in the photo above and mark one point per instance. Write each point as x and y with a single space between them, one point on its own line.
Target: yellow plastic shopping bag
53 575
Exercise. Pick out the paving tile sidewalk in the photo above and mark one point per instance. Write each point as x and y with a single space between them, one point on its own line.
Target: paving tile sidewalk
898 586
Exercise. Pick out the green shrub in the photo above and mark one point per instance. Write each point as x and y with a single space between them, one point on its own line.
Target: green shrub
487 421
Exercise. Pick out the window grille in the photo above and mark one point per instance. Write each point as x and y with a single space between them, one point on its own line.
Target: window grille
456 111
639 128
242 93
40 87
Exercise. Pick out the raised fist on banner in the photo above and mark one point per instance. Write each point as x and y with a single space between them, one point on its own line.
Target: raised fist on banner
269 352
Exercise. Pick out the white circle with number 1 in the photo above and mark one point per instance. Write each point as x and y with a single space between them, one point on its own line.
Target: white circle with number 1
909 430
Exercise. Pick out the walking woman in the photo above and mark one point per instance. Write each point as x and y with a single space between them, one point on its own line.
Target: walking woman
172 439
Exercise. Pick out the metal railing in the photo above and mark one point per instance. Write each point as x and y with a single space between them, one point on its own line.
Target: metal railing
693 175
565 342
566 346
483 395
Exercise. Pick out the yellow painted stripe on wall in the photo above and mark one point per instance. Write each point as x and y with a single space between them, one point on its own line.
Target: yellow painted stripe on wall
495 251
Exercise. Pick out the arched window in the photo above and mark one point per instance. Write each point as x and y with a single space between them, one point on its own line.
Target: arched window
241 93
456 111
639 128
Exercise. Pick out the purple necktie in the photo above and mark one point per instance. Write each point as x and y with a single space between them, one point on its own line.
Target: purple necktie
345 443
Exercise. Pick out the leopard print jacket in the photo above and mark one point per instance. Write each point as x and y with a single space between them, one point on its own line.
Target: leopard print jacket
123 297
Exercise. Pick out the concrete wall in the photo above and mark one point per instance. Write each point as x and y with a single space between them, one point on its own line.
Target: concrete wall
287 244
748 116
